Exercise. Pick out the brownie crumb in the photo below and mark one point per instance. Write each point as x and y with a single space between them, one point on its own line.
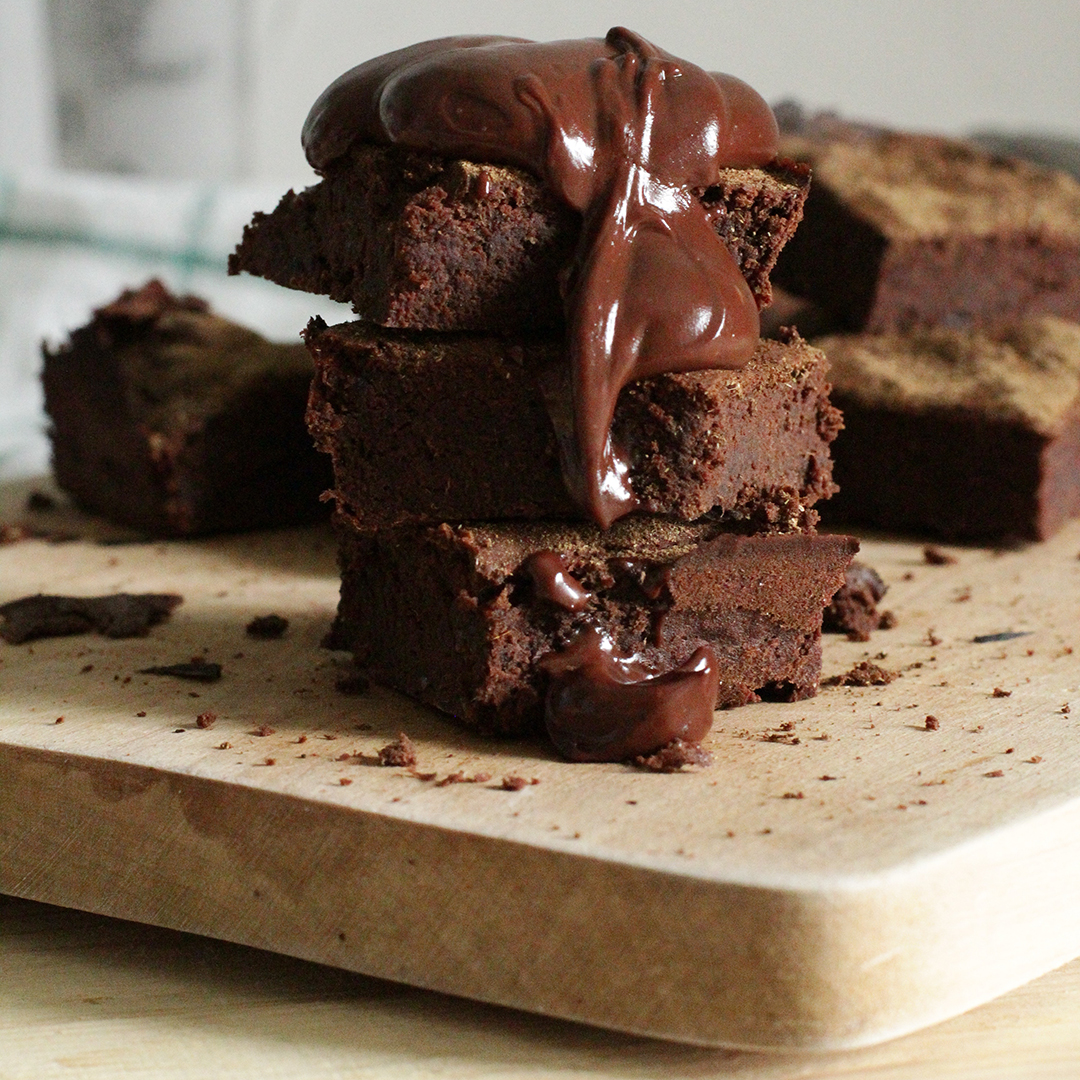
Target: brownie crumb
516 783
196 669
267 627
399 754
120 615
998 692
827 777
58 720
423 776
864 673
794 795
224 746
673 757
141 712
344 781
853 608
931 723
262 731
352 682
887 620
38 500
994 773
1034 760
206 720
935 556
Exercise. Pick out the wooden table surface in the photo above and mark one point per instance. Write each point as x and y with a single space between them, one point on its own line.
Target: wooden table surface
87 996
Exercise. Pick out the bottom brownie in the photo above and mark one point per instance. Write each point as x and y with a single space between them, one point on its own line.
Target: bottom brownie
461 617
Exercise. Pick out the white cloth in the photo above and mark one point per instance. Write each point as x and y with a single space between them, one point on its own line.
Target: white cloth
71 242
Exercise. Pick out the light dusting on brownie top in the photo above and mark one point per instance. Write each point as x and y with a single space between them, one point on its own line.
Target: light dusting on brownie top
923 186
624 133
1027 371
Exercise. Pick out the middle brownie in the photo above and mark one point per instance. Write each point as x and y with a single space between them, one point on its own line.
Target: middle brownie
452 427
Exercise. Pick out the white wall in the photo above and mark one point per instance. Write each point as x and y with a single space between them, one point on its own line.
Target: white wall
944 65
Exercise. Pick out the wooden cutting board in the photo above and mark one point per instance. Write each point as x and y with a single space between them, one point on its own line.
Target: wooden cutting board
838 876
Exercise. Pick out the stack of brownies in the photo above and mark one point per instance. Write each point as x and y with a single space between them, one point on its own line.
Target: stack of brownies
472 579
951 278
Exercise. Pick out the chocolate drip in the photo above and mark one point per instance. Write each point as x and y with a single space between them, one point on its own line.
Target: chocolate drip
623 132
553 582
604 706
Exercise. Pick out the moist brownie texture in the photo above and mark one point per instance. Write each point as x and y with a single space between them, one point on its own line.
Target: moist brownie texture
903 231
172 420
449 614
966 434
444 427
416 241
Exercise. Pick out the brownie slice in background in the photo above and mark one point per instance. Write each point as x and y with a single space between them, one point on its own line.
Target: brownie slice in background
174 421
966 434
453 427
903 231
449 615
416 241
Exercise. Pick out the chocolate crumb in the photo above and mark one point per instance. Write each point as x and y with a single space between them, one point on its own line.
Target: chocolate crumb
141 712
994 773
198 670
58 720
998 692
424 776
302 739
935 556
514 783
673 757
887 621
827 777
344 781
267 627
38 500
931 723
853 608
932 638
1011 750
864 673
262 731
85 668
794 795
451 778
120 615
224 746
1065 708
1034 760
270 761
206 720
399 754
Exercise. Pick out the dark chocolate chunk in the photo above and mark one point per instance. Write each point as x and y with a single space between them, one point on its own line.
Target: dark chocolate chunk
197 670
117 616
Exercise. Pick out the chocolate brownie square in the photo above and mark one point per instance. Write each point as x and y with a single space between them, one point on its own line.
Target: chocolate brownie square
174 421
415 241
451 615
445 427
903 231
966 434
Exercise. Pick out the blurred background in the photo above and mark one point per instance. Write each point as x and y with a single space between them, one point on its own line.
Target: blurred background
137 136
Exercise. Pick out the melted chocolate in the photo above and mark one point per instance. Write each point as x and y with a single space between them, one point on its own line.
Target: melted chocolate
553 582
603 706
626 134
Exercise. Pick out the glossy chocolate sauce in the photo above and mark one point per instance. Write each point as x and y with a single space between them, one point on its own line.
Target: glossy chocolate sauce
626 134
604 705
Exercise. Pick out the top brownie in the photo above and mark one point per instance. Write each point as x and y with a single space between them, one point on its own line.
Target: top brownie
415 241
904 231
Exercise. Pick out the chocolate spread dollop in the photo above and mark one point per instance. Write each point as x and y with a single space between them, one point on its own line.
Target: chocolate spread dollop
626 134
602 705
